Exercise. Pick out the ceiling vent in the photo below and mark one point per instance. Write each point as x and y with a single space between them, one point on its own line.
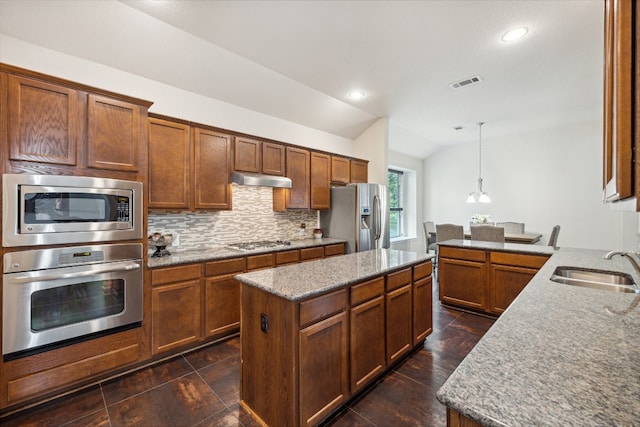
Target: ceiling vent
466 82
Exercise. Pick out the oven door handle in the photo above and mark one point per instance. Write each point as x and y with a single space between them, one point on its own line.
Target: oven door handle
92 272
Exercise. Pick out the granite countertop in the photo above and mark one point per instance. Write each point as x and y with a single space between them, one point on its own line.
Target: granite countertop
502 247
560 355
299 281
222 252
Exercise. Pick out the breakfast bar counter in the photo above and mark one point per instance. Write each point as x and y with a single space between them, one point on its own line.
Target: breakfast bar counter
560 355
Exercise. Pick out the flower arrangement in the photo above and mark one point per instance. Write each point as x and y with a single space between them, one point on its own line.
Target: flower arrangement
480 218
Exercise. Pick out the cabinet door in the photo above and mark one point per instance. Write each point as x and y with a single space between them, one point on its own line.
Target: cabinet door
324 384
273 159
367 342
298 169
176 318
340 170
506 284
113 134
462 282
320 169
222 302
42 122
399 323
422 309
169 165
247 155
212 162
359 171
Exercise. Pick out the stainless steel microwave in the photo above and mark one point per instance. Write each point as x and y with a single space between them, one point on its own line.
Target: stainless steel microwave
54 209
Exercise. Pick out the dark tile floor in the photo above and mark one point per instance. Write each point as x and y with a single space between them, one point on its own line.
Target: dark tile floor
201 388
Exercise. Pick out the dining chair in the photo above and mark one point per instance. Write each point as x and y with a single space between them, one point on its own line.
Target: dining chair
512 227
487 233
553 238
430 235
449 232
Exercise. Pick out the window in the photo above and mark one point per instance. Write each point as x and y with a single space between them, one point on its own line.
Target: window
396 214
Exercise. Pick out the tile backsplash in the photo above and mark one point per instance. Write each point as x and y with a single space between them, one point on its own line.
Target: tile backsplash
251 219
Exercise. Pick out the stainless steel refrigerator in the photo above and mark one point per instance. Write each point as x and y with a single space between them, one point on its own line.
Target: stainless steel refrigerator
359 214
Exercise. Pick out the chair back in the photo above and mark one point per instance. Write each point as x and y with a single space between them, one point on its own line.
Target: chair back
553 238
430 235
512 227
487 233
449 232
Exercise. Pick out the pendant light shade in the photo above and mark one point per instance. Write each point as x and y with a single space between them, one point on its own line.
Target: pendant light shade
479 196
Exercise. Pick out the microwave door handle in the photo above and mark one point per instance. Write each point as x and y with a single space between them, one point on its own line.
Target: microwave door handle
93 272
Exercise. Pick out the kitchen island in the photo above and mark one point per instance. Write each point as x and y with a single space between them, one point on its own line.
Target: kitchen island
315 334
560 355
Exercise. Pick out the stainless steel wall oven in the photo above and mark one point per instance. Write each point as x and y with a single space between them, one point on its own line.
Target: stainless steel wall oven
55 297
53 209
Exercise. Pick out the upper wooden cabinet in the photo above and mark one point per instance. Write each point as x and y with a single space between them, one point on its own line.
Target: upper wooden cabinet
320 171
359 171
620 101
189 168
340 170
298 169
58 126
170 176
251 155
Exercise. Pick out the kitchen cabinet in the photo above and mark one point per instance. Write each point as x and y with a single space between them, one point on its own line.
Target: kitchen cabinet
251 155
422 302
334 250
462 276
287 257
222 296
340 170
620 101
298 170
359 171
176 301
367 335
486 281
309 254
399 318
212 169
62 127
170 175
319 182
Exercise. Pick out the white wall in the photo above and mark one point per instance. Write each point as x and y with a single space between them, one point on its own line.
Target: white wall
542 178
373 145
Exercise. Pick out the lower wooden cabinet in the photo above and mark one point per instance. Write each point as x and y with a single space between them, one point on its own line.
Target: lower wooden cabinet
486 281
422 302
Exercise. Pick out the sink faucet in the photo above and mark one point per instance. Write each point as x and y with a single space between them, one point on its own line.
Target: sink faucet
627 255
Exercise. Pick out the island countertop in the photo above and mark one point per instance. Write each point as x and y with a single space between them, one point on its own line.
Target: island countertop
500 247
560 355
299 281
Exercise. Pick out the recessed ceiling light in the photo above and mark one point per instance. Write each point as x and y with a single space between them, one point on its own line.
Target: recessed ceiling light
515 34
356 94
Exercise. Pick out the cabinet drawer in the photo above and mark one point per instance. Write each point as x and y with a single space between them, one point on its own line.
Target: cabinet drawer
287 257
331 250
518 260
422 270
311 253
397 279
175 274
225 266
322 307
366 291
260 261
458 253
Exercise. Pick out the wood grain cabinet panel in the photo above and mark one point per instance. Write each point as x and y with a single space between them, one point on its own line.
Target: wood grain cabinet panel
309 254
340 170
506 283
287 257
333 250
298 169
462 283
113 134
422 309
367 341
42 122
247 155
399 324
170 175
212 168
222 302
359 171
273 156
320 177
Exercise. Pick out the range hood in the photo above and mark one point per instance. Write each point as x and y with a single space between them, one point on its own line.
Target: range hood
246 178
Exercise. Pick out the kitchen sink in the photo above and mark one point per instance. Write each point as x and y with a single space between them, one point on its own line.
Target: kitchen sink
595 279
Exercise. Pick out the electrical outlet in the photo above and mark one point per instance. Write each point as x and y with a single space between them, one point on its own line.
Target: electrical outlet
264 322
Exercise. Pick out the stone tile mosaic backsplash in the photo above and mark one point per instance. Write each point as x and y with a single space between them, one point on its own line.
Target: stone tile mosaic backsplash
251 219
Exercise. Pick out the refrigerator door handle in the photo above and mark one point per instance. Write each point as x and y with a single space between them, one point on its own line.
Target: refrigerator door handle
377 215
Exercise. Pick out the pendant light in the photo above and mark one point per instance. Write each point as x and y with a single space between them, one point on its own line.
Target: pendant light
479 196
